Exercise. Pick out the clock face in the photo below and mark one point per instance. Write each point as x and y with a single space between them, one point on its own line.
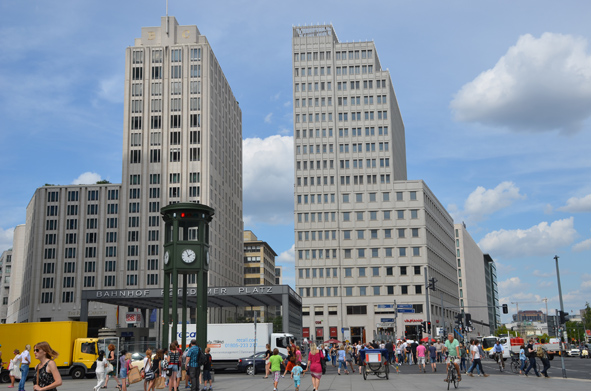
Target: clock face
166 258
188 256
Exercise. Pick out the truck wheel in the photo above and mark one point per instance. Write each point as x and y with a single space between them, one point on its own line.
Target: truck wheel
5 377
77 373
249 370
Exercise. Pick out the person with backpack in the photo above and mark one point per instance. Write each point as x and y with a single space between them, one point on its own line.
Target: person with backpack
542 353
193 365
531 354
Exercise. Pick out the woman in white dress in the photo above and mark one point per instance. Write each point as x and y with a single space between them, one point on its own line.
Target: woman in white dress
14 368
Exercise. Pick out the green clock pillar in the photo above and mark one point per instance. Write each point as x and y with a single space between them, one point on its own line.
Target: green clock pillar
186 251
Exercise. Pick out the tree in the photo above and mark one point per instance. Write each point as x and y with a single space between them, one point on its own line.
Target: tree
278 324
587 317
103 182
501 331
574 331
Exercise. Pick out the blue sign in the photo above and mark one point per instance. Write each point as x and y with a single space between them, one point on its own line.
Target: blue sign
387 320
399 306
385 305
406 310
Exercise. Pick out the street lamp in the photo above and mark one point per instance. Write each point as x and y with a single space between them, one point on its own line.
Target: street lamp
561 311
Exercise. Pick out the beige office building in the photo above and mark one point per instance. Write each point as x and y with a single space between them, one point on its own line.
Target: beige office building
363 232
259 269
182 142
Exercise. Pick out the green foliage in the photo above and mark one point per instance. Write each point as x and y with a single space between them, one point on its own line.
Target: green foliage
278 324
575 331
501 331
545 337
103 182
587 317
48 184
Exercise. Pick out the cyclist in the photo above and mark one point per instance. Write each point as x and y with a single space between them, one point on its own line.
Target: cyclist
452 347
498 353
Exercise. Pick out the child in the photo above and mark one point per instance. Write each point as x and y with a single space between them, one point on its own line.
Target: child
295 375
275 361
207 370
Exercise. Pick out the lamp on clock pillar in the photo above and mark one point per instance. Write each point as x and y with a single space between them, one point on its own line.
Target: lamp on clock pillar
186 252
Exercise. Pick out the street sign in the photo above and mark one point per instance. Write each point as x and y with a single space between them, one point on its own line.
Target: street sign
389 320
399 306
385 325
406 310
385 305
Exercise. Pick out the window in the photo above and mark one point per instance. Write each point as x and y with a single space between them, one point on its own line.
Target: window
415 232
416 251
361 271
356 310
417 270
404 289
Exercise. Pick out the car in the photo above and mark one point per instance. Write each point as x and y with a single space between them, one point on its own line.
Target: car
573 353
245 364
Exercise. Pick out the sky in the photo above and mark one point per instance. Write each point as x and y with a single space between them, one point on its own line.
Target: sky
495 97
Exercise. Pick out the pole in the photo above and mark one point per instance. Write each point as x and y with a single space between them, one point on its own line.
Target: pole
254 366
443 313
562 310
428 306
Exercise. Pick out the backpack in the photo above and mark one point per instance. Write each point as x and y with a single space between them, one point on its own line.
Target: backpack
201 359
540 352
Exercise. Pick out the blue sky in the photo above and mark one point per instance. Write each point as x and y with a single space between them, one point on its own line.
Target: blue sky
495 96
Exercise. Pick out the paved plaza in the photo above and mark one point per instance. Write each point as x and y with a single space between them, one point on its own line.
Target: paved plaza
407 380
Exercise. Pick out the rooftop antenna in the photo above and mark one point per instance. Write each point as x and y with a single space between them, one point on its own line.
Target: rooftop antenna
166 17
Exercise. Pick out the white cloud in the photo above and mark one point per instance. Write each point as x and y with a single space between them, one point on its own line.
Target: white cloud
87 178
268 180
111 89
585 245
540 84
6 238
268 118
542 239
483 202
575 204
541 274
512 284
548 209
288 256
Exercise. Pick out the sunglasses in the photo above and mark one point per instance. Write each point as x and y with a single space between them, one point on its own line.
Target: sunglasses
37 350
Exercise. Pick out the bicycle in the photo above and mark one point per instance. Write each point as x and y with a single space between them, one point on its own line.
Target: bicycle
499 359
515 363
452 376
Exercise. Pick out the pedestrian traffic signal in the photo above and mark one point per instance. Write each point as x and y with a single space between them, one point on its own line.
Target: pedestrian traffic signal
468 320
505 309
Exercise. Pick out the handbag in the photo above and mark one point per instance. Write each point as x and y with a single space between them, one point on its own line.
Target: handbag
323 364
110 368
160 383
134 375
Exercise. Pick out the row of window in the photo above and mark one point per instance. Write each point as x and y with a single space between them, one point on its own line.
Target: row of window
351 310
343 132
175 55
175 155
374 271
388 252
347 234
339 55
175 122
362 290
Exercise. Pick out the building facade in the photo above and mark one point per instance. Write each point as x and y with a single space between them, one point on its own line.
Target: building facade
182 142
5 270
471 277
259 269
492 293
364 234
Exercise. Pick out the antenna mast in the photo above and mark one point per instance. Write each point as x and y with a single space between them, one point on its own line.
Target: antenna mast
166 17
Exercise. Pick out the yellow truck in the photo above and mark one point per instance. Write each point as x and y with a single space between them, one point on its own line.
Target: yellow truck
77 353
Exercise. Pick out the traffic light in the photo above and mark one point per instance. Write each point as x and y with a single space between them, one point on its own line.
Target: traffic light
424 326
505 309
564 317
429 327
468 320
